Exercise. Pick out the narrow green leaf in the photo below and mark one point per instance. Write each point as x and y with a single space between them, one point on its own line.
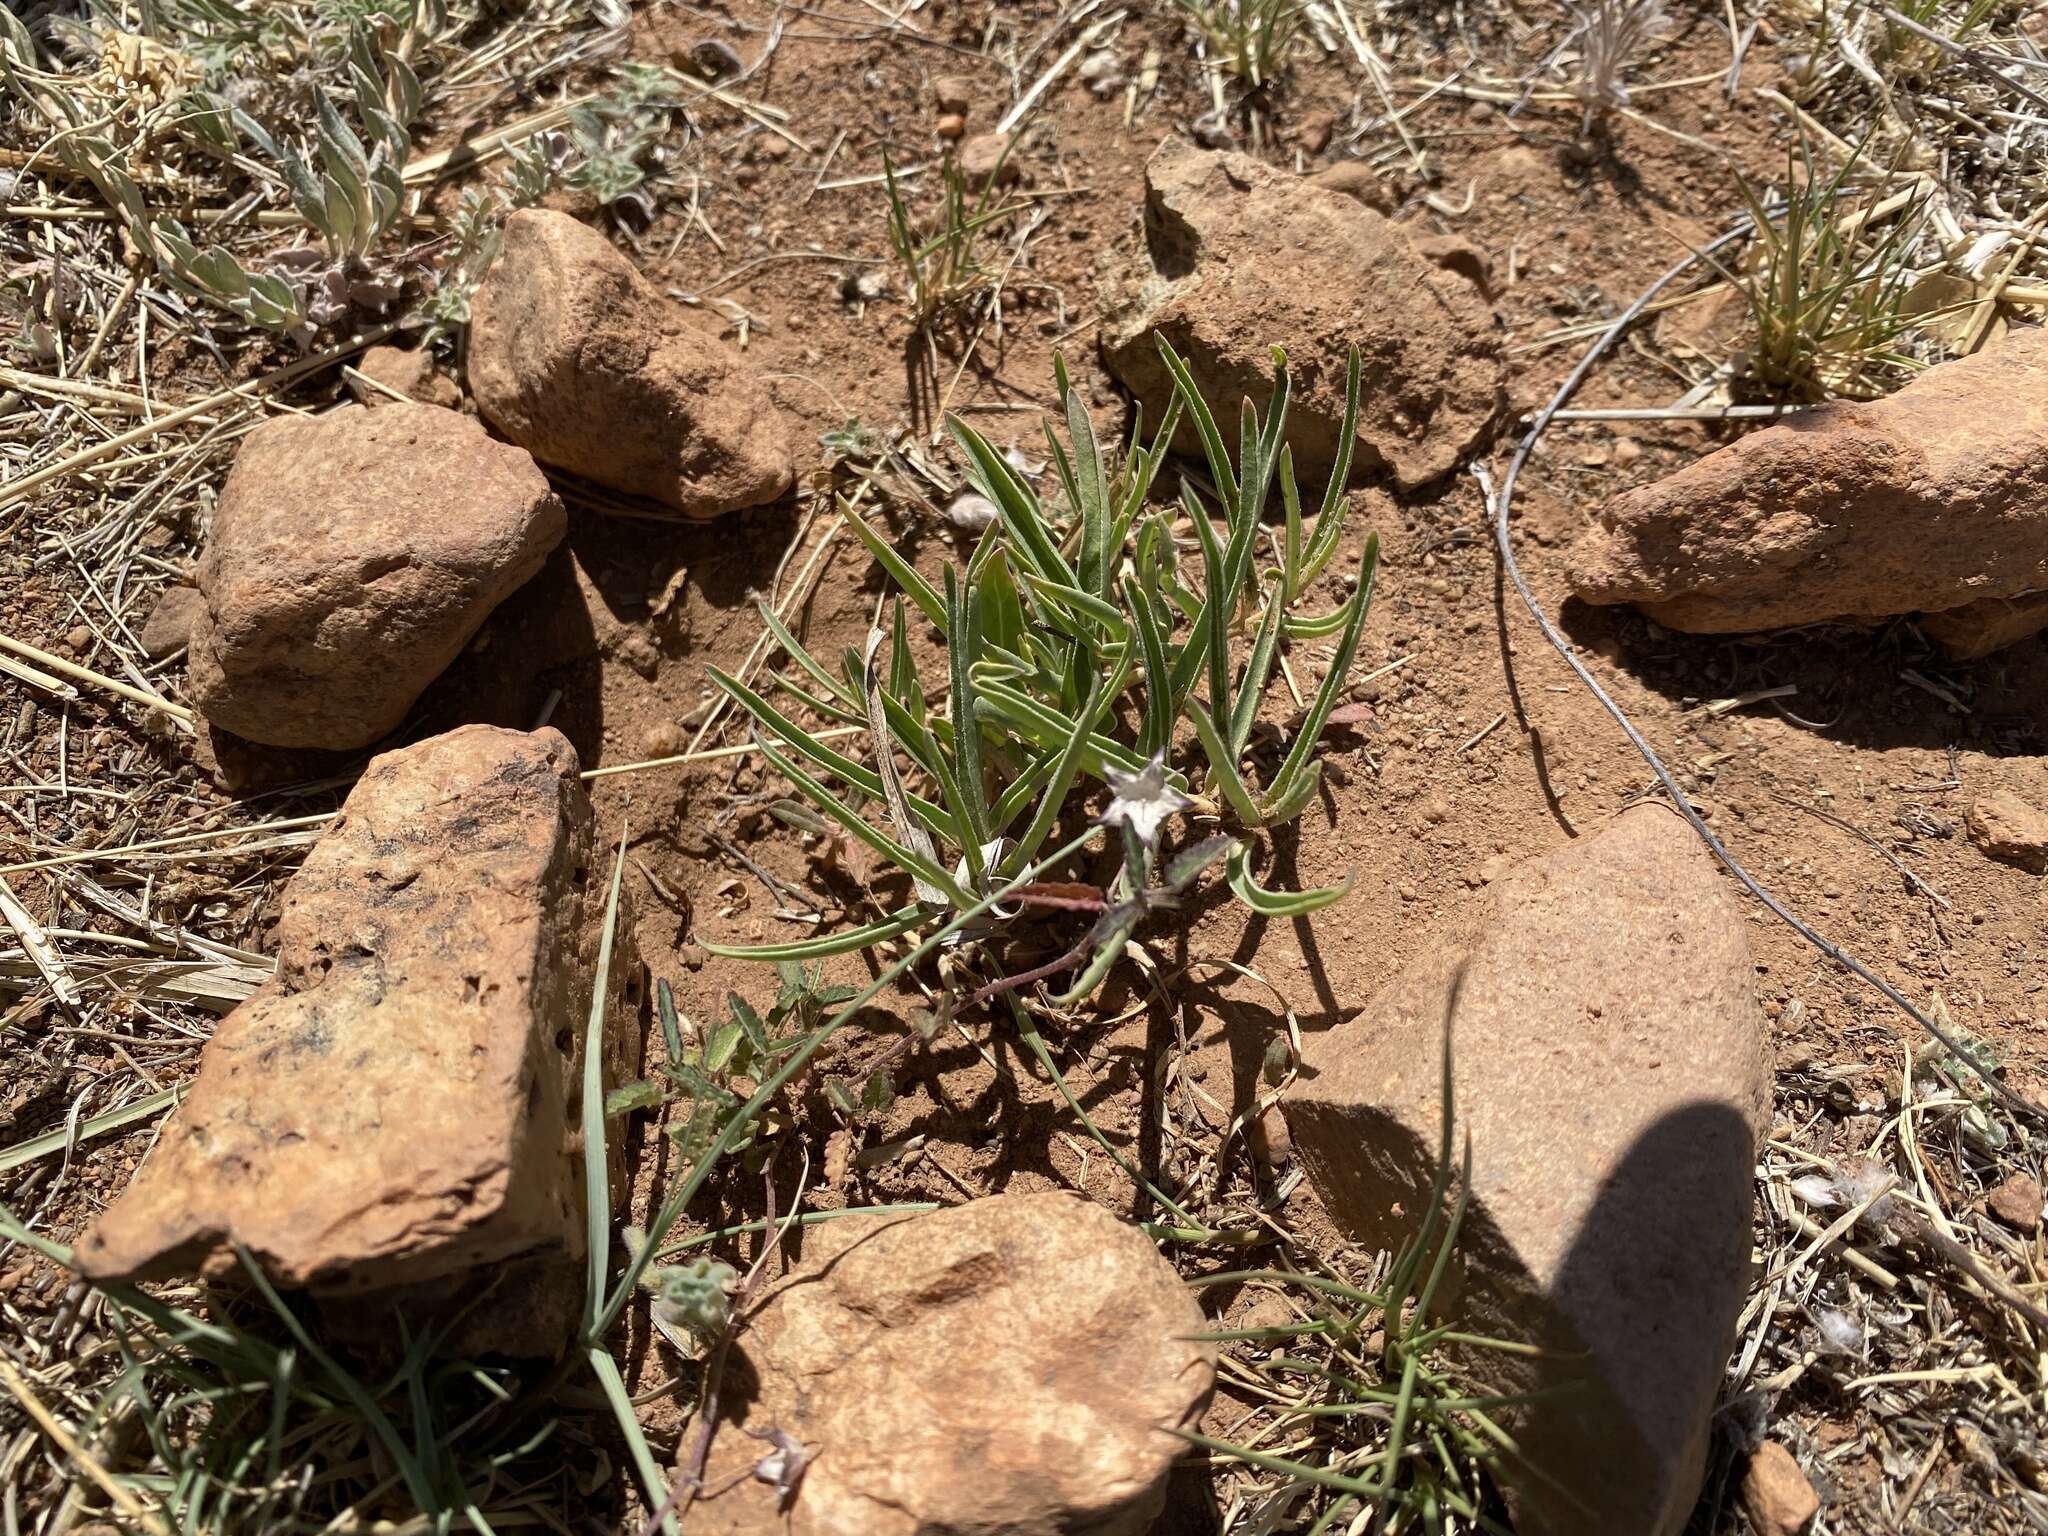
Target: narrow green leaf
904 682
1156 735
963 628
93 1125
1318 627
1001 610
1279 808
1022 790
796 651
900 921
1224 762
866 780
901 571
1092 505
1014 499
1290 549
1073 599
1279 903
1251 688
915 864
1217 601
1065 766
1045 728
1190 396
1347 441
1309 737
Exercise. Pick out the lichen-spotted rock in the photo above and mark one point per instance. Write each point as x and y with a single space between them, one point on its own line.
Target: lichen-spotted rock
352 557
583 362
395 1108
1008 1367
1240 258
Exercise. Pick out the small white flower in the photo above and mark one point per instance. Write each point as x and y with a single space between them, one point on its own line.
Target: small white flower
1144 799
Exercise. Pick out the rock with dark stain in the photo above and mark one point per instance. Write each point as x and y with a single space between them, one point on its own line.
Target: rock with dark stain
394 1111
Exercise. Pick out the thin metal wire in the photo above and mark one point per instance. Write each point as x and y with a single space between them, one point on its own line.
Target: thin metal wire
1498 505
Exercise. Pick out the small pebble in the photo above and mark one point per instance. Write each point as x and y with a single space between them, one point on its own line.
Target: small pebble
664 738
1313 134
80 638
2017 1203
1775 1493
951 126
1270 1141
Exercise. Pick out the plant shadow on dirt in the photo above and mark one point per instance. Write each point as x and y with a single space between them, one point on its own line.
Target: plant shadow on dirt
1862 686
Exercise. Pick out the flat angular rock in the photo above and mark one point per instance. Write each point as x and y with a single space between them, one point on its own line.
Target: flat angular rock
168 629
1241 258
2009 830
353 556
583 362
1610 1071
406 371
2017 1203
1933 499
1006 1366
1989 624
395 1108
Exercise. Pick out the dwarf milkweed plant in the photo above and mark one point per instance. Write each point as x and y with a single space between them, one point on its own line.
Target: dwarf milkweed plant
1084 652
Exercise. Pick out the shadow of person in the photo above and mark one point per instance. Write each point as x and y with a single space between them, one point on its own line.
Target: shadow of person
1638 1318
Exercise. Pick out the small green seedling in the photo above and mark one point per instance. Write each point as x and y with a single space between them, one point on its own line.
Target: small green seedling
1063 614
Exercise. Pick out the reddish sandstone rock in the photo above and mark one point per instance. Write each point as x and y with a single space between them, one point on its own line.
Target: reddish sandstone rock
583 362
407 371
1775 1493
1009 1366
352 557
168 629
1240 258
1989 624
989 155
2017 1203
1610 1073
2009 830
1933 499
395 1109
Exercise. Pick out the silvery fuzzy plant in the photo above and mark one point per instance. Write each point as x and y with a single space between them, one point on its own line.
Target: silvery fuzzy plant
350 194
1062 613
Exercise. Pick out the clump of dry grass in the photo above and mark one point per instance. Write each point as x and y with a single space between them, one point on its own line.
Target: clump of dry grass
135 895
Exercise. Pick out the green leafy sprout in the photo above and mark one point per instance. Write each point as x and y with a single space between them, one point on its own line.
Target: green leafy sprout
945 272
1060 618
1248 39
1370 1376
1826 286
